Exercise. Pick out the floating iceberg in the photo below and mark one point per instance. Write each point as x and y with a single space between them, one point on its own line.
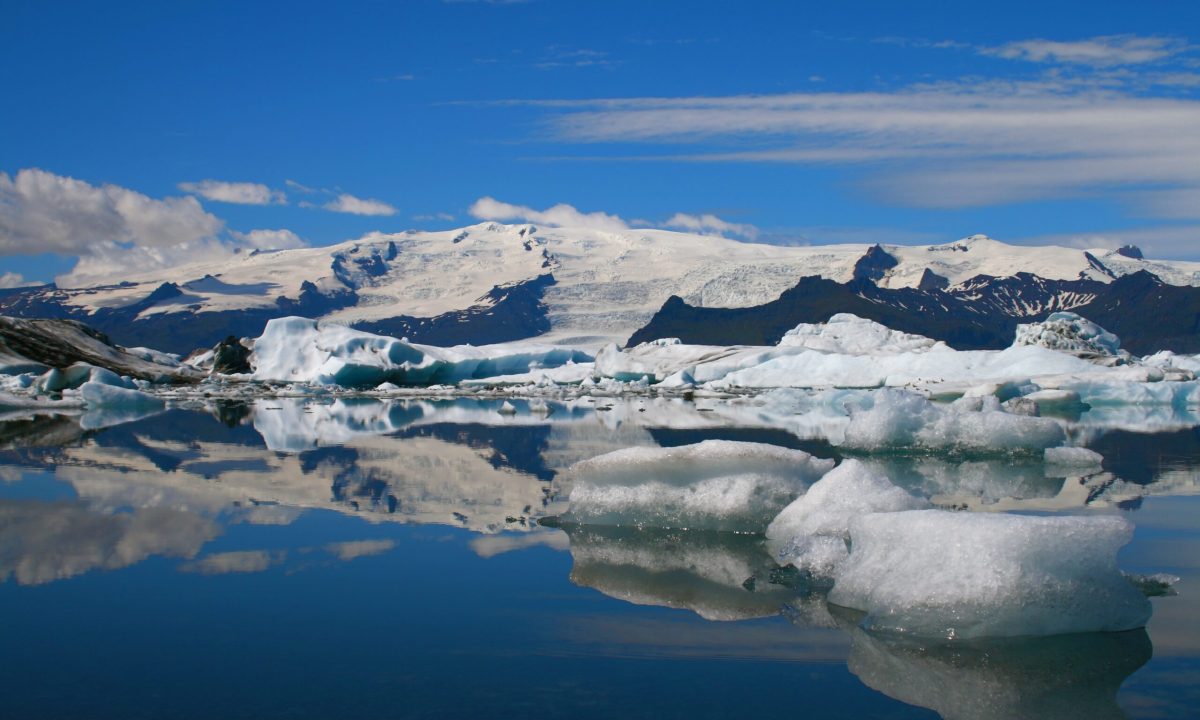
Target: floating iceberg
298 350
712 485
812 532
907 421
967 575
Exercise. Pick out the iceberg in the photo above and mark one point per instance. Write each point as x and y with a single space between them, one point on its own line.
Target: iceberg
813 531
902 420
935 573
848 334
299 350
1070 333
712 485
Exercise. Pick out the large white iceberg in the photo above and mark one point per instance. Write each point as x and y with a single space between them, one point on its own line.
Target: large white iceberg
848 334
966 575
813 531
299 350
713 485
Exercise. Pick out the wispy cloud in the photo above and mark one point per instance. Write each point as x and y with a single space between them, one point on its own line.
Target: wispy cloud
1165 241
708 223
1102 52
564 215
427 217
347 203
239 193
300 187
941 146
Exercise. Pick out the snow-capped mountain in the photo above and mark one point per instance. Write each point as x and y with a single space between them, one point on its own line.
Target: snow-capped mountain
493 282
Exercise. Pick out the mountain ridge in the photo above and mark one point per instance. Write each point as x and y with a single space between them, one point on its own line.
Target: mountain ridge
492 282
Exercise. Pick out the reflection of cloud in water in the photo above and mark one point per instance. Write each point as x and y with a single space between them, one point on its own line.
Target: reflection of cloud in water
487 546
240 561
41 542
359 548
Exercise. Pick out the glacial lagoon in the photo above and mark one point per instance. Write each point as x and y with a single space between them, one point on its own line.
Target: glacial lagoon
343 557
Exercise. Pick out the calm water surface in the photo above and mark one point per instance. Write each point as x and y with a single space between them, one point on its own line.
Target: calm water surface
290 558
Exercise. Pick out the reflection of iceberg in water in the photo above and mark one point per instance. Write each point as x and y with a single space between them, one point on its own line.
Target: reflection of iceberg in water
1065 676
719 576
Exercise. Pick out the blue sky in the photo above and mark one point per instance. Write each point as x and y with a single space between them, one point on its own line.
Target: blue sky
128 128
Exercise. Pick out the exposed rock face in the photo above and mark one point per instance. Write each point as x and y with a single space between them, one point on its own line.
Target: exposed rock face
872 265
230 356
44 344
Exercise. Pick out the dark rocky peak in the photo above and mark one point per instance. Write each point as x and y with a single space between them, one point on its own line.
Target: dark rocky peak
166 291
1131 251
874 264
931 281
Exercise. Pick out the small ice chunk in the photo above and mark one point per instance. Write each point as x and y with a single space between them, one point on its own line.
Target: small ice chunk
811 533
966 575
507 408
714 485
1073 457
101 395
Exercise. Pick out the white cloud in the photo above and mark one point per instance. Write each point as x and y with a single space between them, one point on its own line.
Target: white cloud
239 193
1103 51
346 203
709 224
43 212
269 239
942 146
561 215
12 280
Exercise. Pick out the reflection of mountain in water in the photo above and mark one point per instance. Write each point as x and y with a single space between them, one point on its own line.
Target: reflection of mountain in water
462 462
